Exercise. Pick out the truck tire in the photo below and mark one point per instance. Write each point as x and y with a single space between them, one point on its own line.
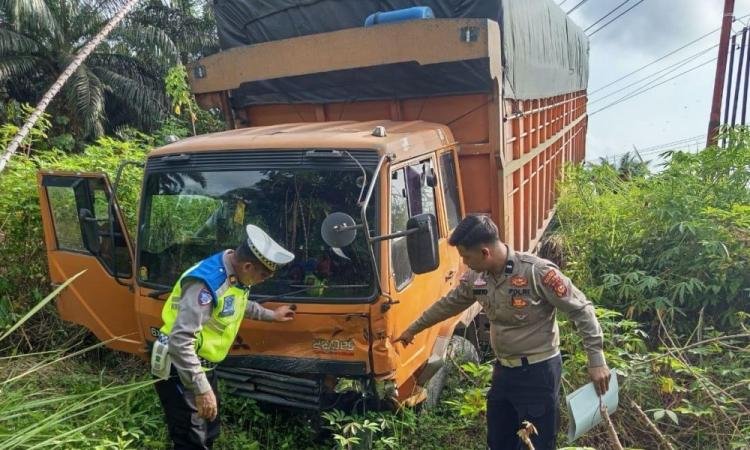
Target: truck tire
460 351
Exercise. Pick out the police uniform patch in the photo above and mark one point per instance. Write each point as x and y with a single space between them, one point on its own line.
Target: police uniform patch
519 281
519 302
520 316
228 309
552 280
480 282
204 297
479 291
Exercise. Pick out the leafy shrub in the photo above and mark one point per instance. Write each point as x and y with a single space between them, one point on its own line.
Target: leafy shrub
675 242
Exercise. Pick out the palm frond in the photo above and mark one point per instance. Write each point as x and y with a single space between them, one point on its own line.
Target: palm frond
30 13
149 40
14 42
146 103
88 94
13 66
129 66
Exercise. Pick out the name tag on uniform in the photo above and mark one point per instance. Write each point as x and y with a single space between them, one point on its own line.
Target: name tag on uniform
228 309
476 291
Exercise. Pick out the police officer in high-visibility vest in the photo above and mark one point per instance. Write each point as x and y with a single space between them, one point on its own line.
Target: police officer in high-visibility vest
201 319
520 294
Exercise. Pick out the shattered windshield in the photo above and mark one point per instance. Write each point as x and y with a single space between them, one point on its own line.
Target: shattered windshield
190 215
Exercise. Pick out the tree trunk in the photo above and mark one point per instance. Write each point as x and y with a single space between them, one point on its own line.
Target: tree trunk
58 84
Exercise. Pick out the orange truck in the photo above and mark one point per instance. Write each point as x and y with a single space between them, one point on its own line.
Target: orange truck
359 148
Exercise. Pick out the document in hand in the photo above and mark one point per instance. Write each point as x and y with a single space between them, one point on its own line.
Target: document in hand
583 407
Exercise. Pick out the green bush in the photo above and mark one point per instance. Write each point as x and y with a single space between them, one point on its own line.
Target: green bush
675 242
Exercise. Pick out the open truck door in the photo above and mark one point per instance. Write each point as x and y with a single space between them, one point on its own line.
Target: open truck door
79 235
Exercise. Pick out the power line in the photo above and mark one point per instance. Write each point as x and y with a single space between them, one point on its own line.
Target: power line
560 4
605 16
673 67
616 17
662 57
576 6
660 148
655 61
629 96
657 147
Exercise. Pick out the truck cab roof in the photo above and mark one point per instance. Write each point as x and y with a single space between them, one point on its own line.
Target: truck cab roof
403 139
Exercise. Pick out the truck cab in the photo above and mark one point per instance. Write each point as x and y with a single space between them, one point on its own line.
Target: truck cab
352 299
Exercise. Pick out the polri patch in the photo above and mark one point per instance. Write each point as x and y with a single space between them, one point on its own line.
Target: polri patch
228 309
205 297
552 280
519 302
519 281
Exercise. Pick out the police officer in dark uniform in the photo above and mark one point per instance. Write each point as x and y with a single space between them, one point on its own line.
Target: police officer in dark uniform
519 293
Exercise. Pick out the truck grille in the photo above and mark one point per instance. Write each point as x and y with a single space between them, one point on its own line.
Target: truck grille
274 388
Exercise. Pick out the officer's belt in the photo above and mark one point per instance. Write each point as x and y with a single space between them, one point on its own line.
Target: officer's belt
526 360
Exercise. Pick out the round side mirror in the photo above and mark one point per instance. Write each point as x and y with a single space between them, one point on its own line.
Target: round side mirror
338 229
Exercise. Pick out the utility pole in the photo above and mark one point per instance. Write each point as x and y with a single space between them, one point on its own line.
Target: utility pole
721 68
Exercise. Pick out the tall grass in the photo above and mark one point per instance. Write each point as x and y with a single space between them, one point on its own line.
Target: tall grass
60 415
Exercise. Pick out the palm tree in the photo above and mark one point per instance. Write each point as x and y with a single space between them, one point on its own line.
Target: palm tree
123 75
631 166
190 24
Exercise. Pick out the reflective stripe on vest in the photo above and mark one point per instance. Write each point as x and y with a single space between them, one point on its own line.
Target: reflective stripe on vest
215 339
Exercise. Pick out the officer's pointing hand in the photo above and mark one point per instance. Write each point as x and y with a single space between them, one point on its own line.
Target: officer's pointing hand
283 313
206 404
600 377
406 338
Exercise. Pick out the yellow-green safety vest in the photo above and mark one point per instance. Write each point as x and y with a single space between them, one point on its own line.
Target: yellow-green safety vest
215 339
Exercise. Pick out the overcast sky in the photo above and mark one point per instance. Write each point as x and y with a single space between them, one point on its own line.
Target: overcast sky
675 110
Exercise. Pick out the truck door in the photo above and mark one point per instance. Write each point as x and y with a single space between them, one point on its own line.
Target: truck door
79 236
412 192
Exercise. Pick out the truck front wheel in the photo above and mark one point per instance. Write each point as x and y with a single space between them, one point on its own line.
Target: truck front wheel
460 351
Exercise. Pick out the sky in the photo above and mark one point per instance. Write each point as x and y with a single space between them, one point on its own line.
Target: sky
675 110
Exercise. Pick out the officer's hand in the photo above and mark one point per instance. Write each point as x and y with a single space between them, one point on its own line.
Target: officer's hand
283 313
600 377
206 404
406 338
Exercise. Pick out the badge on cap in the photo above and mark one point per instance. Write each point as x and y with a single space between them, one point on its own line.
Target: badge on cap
268 251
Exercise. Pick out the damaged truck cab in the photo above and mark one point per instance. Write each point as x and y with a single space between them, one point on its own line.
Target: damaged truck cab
356 283
359 150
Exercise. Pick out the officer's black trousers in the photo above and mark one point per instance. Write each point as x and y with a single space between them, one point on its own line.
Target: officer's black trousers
187 430
523 393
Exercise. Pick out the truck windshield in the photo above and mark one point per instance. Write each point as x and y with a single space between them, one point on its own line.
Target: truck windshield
189 215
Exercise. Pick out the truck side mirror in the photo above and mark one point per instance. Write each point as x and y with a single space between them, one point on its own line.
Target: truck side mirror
90 231
422 245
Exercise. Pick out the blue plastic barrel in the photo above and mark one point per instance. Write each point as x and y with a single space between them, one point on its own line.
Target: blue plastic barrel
399 15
